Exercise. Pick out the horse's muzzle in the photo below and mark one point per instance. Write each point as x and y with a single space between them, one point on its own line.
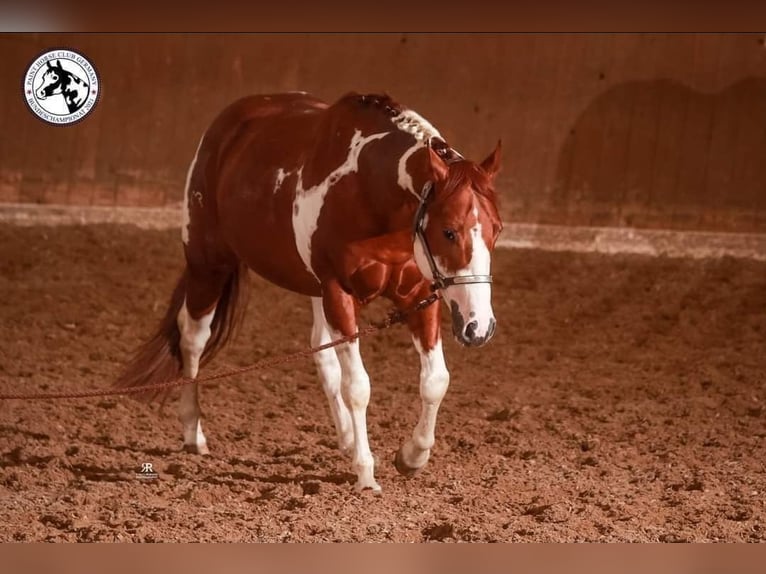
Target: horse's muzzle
466 333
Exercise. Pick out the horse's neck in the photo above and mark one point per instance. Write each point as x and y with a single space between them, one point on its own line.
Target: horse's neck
397 195
392 181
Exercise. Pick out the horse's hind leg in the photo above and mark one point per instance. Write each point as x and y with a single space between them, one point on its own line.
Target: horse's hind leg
328 367
194 324
194 335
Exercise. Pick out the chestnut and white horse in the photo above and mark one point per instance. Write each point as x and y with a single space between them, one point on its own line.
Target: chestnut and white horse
342 203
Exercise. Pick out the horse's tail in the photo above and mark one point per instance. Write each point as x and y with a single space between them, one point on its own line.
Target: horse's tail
159 359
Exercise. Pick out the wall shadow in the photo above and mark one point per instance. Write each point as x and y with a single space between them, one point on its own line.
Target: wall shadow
660 154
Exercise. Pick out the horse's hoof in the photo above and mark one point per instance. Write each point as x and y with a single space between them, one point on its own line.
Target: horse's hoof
373 488
402 467
197 449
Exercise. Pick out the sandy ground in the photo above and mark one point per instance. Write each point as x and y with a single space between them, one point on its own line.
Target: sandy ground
622 399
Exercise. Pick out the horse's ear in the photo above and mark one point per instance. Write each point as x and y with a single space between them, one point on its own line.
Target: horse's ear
437 167
49 65
58 64
491 165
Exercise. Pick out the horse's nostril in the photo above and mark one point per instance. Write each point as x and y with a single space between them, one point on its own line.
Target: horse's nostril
470 330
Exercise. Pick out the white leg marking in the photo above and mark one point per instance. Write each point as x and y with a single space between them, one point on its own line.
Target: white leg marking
194 337
355 388
308 202
434 380
185 212
329 370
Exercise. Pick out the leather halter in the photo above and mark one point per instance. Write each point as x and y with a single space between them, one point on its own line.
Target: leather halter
441 281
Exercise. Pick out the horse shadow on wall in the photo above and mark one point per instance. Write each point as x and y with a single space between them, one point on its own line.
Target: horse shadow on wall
658 153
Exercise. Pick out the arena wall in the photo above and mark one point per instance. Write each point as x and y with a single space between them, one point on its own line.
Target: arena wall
637 130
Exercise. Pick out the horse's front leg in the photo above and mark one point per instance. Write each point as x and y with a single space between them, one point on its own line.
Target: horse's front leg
434 380
340 312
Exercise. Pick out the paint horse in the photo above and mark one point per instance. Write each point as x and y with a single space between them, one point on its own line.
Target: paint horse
342 203
58 81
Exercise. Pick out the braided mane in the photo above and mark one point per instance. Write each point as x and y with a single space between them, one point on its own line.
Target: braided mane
411 122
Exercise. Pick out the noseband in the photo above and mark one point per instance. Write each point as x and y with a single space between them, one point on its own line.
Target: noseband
441 281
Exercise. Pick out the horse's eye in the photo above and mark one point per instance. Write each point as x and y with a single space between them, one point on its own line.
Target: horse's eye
449 234
54 77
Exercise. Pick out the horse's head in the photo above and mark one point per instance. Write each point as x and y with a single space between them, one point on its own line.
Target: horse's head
456 230
52 80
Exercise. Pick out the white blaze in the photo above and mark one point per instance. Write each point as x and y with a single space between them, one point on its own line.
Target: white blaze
475 297
308 203
474 300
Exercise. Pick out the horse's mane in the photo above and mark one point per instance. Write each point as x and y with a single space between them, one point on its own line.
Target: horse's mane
383 102
407 121
411 122
402 118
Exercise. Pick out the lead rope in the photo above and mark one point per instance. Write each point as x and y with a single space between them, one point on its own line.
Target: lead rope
393 318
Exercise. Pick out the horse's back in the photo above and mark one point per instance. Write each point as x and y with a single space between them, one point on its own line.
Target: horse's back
263 107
